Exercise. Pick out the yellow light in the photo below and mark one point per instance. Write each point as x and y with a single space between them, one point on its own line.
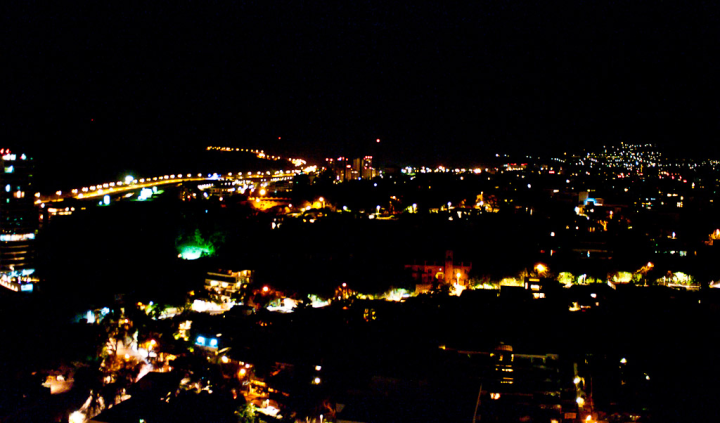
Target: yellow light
127 356
580 401
242 372
541 268
321 199
262 191
576 380
77 417
265 289
224 359
316 381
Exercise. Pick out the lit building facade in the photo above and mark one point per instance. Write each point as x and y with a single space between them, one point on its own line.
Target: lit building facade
18 222
224 287
347 170
426 273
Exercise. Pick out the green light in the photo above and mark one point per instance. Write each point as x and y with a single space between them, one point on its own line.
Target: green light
194 252
191 253
195 246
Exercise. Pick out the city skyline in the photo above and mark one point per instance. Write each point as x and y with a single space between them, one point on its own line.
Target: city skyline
362 211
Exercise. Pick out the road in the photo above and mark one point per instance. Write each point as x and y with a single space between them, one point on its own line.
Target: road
110 188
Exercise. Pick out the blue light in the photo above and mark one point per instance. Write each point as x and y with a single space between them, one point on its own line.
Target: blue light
200 340
26 287
105 311
213 343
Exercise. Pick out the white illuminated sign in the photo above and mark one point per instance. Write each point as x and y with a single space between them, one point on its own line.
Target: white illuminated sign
16 237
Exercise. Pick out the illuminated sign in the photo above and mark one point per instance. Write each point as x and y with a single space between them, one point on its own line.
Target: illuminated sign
16 237
9 157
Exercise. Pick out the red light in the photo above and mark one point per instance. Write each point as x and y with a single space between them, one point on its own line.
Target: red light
377 140
92 120
279 138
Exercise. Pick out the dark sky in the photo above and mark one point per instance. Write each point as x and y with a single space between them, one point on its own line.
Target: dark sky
87 82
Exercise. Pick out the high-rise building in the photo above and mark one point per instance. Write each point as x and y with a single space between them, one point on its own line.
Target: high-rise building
368 172
347 170
18 222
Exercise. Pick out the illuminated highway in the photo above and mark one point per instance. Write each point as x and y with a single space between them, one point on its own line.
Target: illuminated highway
132 184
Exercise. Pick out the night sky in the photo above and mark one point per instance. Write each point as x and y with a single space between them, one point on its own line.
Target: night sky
94 84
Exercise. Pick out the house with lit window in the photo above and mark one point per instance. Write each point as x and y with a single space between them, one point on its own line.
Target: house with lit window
224 286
